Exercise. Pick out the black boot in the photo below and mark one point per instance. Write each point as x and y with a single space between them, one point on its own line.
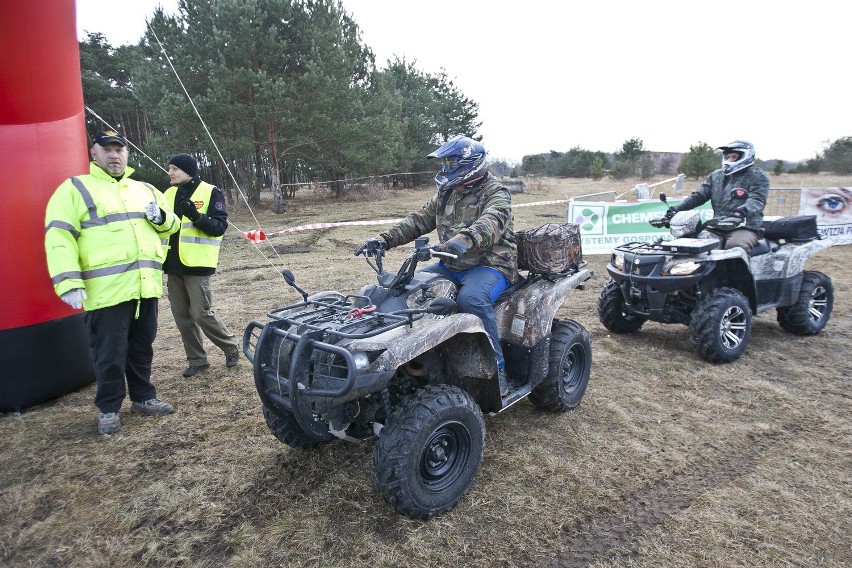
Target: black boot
504 383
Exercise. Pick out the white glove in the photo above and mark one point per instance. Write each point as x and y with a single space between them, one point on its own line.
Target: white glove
74 298
152 211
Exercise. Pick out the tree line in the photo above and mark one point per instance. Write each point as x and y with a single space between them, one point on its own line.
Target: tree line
287 89
633 160
290 94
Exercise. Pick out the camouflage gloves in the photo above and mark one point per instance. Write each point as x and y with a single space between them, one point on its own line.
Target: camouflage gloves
458 245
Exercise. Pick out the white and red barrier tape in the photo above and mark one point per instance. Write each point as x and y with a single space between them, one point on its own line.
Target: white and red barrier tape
257 235
554 202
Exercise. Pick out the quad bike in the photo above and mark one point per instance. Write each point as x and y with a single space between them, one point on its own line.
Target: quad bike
398 362
691 280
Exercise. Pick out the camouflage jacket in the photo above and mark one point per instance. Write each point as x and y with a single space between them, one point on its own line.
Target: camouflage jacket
481 213
746 190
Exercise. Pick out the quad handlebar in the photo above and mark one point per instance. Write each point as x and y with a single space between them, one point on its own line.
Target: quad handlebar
422 252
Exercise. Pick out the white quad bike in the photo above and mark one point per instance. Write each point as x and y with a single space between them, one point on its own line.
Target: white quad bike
398 363
691 280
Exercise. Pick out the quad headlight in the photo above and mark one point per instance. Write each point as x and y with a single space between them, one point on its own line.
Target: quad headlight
361 360
683 268
617 260
364 359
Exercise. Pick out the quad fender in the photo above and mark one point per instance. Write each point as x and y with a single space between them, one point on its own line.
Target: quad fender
526 316
731 270
471 354
786 261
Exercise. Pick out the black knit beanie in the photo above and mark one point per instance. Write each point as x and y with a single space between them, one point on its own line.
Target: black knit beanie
187 163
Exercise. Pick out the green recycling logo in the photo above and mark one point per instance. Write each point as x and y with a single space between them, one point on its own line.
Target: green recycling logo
590 219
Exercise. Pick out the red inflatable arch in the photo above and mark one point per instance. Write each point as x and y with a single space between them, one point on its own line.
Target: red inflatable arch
43 343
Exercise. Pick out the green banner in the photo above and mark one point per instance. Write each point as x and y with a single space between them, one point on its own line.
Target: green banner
605 225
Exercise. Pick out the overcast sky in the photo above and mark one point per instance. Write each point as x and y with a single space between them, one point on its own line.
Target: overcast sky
554 75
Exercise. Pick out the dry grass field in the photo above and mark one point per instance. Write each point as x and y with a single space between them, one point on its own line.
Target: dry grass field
668 461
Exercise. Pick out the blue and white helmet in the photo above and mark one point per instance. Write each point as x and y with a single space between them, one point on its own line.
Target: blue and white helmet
746 151
462 161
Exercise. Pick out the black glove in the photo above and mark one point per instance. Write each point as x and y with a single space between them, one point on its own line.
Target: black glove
725 224
671 212
372 244
734 222
456 246
186 208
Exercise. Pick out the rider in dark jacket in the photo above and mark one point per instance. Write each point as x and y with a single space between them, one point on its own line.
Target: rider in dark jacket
738 192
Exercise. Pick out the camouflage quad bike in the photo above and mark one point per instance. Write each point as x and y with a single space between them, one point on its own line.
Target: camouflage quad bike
690 280
396 361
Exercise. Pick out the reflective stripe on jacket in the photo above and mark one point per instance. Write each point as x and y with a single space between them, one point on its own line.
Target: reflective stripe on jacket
196 247
97 237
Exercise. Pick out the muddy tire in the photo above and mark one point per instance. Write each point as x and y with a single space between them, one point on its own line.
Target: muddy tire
810 313
429 451
611 310
569 366
721 326
287 429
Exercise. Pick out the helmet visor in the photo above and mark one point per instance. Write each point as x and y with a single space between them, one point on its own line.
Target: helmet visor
449 163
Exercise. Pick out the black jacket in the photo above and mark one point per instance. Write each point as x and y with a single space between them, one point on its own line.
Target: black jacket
745 191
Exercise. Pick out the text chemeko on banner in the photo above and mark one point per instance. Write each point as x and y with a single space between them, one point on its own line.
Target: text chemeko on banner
607 224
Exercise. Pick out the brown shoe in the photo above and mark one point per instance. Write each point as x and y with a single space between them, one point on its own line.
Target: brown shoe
503 382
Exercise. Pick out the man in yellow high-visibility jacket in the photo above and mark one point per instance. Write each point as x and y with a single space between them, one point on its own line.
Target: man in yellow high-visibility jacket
103 235
192 259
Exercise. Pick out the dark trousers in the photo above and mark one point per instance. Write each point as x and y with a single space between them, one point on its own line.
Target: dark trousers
122 347
479 288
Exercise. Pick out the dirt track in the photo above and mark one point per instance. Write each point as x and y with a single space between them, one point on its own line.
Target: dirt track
668 461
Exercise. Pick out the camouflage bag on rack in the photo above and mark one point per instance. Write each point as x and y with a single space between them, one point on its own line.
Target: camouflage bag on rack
550 248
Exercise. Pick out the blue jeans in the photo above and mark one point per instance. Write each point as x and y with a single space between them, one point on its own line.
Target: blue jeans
479 288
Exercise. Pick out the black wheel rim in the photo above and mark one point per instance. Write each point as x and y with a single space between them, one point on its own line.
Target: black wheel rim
445 456
732 327
818 304
572 368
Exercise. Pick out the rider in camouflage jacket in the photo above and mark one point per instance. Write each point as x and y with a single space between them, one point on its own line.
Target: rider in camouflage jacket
472 213
480 214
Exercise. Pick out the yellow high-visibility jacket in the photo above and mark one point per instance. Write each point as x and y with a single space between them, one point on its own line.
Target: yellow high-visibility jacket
195 247
97 237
